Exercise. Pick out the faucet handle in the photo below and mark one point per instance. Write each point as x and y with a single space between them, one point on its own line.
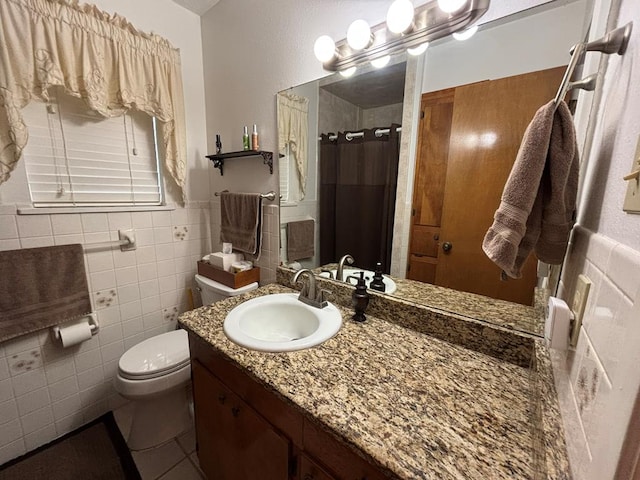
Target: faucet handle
322 297
324 270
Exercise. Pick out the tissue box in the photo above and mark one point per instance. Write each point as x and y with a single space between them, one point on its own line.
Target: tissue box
224 261
232 280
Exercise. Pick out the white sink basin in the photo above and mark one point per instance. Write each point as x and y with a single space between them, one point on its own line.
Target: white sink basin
390 285
281 323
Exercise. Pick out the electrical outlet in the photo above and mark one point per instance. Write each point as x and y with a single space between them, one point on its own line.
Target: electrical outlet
578 305
632 198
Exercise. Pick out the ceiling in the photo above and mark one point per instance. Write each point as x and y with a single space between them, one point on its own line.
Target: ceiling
197 6
372 89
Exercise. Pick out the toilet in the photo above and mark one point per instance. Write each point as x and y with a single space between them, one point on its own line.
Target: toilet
156 375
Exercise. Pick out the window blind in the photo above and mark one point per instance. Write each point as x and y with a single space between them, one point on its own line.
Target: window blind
77 157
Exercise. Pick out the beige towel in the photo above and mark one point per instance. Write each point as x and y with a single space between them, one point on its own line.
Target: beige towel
41 287
241 221
300 240
538 201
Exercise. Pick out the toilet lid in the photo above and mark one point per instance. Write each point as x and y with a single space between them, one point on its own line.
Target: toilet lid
155 356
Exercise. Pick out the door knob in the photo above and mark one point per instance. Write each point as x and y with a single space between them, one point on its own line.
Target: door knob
447 246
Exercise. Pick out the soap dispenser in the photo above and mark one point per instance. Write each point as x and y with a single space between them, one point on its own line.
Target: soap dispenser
359 298
378 283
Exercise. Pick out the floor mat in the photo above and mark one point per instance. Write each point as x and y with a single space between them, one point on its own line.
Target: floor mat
94 451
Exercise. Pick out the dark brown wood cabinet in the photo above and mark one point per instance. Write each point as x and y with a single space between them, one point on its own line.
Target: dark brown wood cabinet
245 431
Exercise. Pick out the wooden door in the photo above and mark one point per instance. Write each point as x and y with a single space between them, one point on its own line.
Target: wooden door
488 122
234 442
431 170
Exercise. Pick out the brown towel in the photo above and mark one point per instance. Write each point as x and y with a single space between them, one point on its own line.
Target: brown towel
41 287
241 221
538 201
300 240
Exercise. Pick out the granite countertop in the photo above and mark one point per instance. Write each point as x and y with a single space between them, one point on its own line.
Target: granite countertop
419 406
499 312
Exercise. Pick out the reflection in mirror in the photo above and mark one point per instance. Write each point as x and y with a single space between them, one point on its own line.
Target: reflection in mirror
476 100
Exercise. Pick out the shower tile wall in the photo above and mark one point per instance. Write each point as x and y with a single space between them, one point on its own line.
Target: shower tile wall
47 391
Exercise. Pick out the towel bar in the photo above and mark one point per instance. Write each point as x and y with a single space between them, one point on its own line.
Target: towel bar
269 195
127 241
615 41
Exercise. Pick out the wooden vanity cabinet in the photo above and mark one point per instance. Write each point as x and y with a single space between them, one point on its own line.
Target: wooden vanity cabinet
246 432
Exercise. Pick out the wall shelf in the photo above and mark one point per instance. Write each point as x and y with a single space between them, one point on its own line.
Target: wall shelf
218 159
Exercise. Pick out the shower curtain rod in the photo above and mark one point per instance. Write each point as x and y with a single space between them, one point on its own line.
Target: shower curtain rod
351 135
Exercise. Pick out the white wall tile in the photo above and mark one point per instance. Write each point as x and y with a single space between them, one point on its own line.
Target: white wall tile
132 327
99 261
94 222
167 284
36 242
144 237
126 276
112 352
40 437
60 370
161 219
166 267
134 340
149 288
4 369
124 259
8 411
37 420
28 382
141 220
164 251
109 316
69 239
63 389
130 310
624 269
119 221
87 360
71 422
34 226
8 227
162 234
148 271
67 406
12 245
110 334
32 401
150 304
66 224
6 390
103 280
146 254
128 293
180 216
11 432
90 378
12 450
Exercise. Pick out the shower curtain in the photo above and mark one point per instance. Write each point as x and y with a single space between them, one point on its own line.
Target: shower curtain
358 179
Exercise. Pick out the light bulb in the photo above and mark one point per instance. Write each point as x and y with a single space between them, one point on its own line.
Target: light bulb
400 16
465 34
450 6
348 72
381 62
419 50
359 35
324 48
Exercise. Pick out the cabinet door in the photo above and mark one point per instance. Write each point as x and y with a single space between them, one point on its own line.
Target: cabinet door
309 470
234 442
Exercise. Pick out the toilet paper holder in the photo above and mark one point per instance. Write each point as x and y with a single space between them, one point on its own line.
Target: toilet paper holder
93 325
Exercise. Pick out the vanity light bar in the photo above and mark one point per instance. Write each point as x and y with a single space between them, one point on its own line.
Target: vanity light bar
430 23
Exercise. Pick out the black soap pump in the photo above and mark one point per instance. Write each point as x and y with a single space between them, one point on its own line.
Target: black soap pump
359 298
378 283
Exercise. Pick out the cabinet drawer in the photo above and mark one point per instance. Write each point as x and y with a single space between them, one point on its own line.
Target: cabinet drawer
337 458
309 470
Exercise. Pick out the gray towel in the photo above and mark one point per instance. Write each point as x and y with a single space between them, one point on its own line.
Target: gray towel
300 240
41 287
241 221
538 201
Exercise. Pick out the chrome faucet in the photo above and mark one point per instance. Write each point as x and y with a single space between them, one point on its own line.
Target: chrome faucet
340 272
308 293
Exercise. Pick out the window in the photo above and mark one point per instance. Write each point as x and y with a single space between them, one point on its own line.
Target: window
76 157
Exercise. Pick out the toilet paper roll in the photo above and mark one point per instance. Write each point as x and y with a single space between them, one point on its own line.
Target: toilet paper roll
74 334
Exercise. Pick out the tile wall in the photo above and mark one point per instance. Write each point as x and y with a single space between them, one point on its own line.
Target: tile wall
598 384
47 391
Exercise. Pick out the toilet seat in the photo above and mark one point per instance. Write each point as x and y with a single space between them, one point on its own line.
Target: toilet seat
155 357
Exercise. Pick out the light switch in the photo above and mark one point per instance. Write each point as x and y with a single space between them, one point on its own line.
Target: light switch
632 198
583 284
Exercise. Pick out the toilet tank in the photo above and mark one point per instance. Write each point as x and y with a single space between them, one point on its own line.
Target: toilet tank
212 291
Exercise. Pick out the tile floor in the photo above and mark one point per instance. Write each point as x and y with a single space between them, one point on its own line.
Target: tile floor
175 460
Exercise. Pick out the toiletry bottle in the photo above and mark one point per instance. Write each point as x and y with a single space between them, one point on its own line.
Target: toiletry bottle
359 298
377 283
254 138
245 139
218 145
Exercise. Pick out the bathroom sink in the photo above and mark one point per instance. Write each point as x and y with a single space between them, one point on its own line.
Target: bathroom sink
281 323
390 285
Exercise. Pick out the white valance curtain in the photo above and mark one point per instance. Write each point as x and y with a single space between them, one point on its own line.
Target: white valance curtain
93 55
293 130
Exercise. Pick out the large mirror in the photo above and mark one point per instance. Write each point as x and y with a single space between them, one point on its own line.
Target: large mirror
431 142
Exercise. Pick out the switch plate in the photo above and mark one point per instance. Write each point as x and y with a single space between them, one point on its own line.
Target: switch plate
632 198
583 285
